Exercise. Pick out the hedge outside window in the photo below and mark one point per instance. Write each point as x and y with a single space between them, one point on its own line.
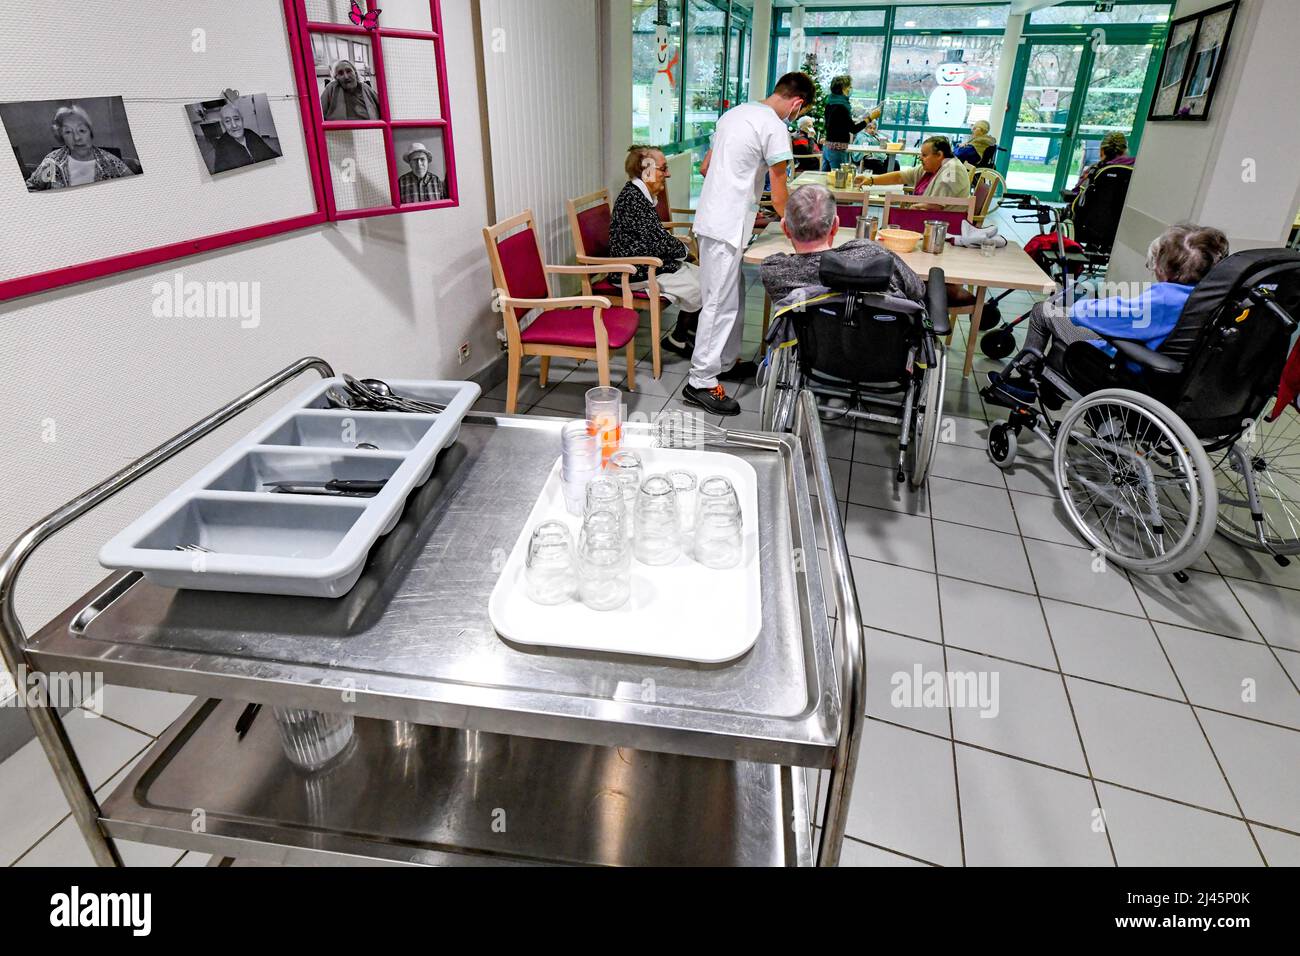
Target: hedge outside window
380 110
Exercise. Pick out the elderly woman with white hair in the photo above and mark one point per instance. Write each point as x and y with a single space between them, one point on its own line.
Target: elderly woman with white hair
1179 258
810 224
347 96
978 150
77 160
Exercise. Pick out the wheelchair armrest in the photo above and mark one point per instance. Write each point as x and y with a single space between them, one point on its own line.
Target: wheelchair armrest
936 302
1136 352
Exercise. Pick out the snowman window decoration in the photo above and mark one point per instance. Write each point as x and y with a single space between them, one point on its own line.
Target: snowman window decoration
948 100
663 91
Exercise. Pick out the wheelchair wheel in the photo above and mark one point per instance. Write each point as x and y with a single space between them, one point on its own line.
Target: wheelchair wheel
999 343
927 415
1002 445
1135 481
1264 464
781 384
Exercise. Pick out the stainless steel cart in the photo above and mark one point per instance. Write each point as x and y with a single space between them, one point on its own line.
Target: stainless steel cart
468 749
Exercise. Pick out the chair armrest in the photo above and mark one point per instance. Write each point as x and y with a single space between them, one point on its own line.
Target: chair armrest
936 302
684 212
670 226
614 265
563 302
1137 352
653 262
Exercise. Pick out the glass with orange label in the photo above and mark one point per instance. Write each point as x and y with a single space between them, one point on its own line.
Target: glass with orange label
605 419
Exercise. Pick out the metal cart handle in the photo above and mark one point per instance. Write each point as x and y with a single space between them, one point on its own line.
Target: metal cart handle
852 649
13 639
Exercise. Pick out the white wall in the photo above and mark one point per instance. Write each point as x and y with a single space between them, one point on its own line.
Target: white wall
543 92
392 296
1194 171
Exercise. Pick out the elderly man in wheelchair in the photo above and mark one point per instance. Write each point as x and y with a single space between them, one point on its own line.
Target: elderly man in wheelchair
857 328
1158 383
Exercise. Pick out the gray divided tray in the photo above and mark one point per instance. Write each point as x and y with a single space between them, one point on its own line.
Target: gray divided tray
257 541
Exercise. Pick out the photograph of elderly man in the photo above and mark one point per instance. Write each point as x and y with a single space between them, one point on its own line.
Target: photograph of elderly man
347 96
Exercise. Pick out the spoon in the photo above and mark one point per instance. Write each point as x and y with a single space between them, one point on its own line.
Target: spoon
383 390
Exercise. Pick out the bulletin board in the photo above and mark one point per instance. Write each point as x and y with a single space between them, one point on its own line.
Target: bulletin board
157 57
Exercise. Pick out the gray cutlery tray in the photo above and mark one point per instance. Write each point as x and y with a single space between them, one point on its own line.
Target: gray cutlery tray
258 541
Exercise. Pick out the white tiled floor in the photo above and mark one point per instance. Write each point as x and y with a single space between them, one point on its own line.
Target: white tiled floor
1139 722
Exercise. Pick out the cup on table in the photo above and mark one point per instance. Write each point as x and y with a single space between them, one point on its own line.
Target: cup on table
548 569
988 247
626 468
657 538
719 526
605 419
604 562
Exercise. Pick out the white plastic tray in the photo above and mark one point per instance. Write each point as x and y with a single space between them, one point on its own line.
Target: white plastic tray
266 543
683 611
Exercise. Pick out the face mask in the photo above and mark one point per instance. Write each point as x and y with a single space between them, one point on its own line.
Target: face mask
793 113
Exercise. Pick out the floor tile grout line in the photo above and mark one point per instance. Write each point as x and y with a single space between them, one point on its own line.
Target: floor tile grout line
1099 780
67 816
1092 680
121 723
1069 700
1205 734
906 856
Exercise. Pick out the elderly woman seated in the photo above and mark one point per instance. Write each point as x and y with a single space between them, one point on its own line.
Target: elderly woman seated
978 151
810 223
1179 258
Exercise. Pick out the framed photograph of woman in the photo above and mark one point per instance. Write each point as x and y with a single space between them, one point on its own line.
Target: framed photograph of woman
71 142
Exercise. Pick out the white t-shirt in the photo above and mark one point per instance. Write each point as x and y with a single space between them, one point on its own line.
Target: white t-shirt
80 171
749 140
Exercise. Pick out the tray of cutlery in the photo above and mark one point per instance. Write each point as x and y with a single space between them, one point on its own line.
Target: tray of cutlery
294 507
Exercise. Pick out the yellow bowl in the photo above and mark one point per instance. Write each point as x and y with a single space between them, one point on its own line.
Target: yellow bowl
898 240
893 147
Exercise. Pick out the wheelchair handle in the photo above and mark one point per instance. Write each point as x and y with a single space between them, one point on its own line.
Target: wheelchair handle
936 302
1264 297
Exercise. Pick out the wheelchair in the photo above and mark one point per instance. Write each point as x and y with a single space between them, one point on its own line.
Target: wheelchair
852 342
1132 455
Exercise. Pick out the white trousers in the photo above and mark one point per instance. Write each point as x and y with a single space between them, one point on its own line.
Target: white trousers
722 323
681 287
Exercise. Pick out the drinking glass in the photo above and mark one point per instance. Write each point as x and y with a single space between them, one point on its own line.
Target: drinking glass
988 247
604 493
605 419
685 484
604 563
626 468
548 569
312 739
719 527
658 537
579 462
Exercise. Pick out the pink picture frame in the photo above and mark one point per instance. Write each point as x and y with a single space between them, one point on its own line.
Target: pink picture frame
314 129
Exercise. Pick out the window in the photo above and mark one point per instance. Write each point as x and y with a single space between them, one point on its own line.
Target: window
379 113
705 63
1086 15
843 18
860 57
656 71
940 82
988 17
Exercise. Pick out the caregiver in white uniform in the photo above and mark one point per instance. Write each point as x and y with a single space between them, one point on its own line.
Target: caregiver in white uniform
751 143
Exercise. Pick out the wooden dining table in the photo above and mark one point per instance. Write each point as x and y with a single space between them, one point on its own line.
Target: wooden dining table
854 195
1008 268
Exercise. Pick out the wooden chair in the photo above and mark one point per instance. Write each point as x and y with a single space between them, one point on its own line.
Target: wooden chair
582 327
909 212
987 187
589 221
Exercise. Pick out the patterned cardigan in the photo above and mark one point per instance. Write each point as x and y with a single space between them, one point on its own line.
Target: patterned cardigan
636 230
107 166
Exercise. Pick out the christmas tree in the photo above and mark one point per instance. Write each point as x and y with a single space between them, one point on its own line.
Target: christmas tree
818 112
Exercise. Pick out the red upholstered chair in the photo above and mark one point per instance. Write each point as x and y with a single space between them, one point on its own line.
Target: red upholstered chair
909 212
581 327
589 221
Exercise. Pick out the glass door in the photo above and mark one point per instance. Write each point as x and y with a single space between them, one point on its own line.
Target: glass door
1069 95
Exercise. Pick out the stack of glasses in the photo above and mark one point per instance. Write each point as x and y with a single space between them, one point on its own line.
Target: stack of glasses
579 463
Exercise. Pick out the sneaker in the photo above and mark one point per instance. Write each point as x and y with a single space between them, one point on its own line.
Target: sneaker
712 400
740 372
1001 391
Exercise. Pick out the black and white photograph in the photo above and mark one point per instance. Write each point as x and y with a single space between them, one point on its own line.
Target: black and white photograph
345 77
1173 69
1207 62
234 134
71 142
421 164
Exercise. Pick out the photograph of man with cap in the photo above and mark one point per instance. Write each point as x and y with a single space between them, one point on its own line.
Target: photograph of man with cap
420 184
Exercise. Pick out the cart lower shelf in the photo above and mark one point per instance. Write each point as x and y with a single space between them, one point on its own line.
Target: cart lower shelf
412 794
